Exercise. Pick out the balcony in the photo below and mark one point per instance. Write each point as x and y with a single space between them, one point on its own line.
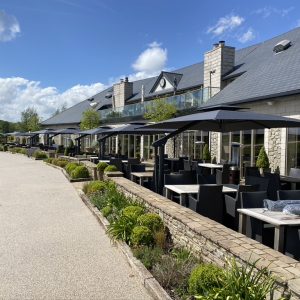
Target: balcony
183 102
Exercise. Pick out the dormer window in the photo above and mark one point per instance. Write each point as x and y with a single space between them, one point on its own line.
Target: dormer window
166 81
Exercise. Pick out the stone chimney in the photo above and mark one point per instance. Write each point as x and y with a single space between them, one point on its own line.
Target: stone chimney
217 62
121 92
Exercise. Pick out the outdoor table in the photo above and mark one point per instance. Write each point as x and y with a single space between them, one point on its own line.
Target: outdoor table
277 218
141 176
292 180
185 189
211 166
108 161
94 158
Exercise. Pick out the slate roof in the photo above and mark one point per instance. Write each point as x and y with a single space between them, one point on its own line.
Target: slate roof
265 74
261 74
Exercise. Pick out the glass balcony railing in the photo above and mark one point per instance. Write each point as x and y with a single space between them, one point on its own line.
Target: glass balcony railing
193 99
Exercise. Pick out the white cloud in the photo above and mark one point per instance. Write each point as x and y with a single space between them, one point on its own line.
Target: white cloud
226 24
9 27
151 61
247 36
267 11
16 94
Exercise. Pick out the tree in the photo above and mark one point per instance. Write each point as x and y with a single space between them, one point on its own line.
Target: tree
160 111
30 120
262 159
206 154
90 119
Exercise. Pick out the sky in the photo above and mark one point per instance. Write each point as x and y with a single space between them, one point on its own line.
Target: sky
60 52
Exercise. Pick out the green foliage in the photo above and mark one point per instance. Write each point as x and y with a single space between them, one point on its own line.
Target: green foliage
23 151
160 111
204 278
40 155
6 126
107 211
243 282
149 256
30 120
49 160
101 166
173 271
60 162
141 235
206 153
133 211
151 221
67 151
80 172
94 187
262 159
121 228
111 168
60 149
5 148
70 167
90 119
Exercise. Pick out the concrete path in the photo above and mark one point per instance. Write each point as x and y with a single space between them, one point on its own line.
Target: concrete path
51 246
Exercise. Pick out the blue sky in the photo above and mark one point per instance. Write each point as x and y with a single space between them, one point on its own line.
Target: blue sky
62 51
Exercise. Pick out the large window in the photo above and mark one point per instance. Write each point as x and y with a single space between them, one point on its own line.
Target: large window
251 142
293 148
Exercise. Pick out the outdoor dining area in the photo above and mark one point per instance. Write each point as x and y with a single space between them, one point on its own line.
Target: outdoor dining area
263 205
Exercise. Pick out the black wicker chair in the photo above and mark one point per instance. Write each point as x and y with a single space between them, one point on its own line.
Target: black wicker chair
208 202
232 204
222 176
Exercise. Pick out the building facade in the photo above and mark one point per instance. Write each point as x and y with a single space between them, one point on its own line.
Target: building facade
263 78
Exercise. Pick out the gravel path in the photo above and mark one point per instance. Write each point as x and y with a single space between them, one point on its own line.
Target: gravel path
51 247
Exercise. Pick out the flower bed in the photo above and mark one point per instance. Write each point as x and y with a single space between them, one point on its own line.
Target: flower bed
181 274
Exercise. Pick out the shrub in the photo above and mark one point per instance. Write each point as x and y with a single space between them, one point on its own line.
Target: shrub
160 238
5 148
101 166
262 159
204 278
121 228
94 186
80 172
206 153
70 167
141 235
40 155
111 168
67 151
60 149
133 211
151 221
106 211
149 256
244 282
49 160
23 151
61 163
173 271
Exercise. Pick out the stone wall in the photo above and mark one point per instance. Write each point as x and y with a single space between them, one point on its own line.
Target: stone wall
214 242
214 145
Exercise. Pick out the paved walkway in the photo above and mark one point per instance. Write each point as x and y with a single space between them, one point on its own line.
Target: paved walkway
51 247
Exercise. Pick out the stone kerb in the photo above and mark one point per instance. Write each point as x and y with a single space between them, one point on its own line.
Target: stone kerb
214 242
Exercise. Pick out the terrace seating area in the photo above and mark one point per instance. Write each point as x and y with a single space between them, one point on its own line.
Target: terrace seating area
216 191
